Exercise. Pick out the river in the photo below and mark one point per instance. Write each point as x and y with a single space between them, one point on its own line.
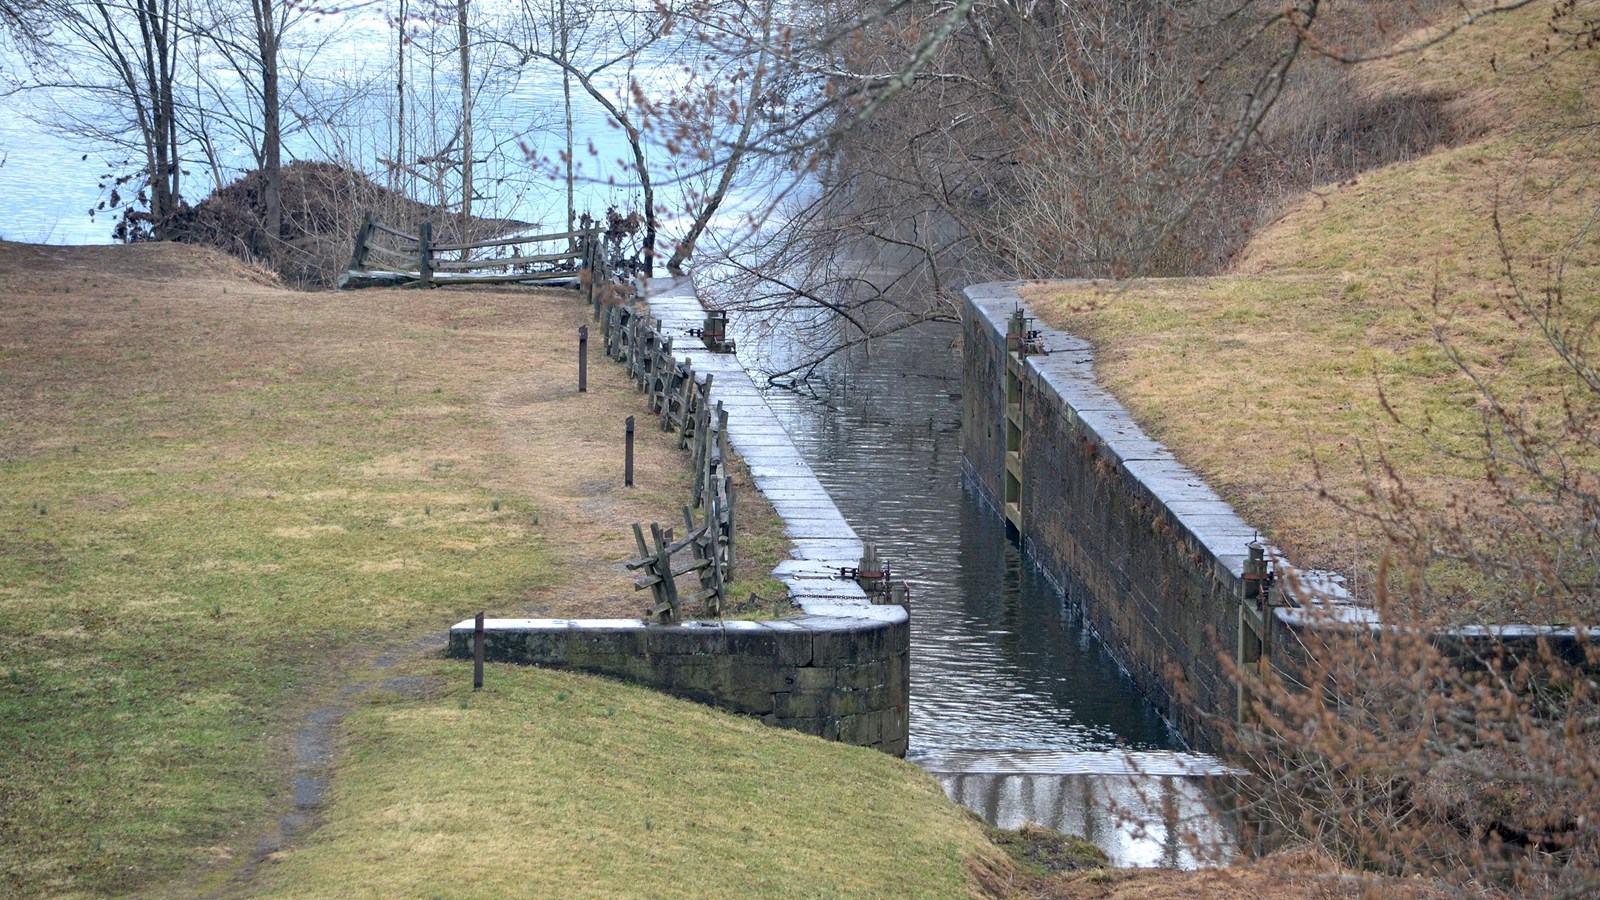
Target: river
50 179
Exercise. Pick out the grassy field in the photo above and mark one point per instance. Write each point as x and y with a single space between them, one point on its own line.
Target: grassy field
1271 380
223 500
550 784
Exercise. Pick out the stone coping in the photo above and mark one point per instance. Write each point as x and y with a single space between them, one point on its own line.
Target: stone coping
823 541
1067 365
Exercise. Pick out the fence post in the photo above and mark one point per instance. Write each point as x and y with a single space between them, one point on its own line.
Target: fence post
477 652
627 465
425 253
591 255
358 256
728 500
583 358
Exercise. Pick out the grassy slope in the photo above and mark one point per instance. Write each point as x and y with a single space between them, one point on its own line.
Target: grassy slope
550 784
1249 375
219 498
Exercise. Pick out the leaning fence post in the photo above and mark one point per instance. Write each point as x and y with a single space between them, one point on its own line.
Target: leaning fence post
591 255
477 652
728 513
425 253
358 257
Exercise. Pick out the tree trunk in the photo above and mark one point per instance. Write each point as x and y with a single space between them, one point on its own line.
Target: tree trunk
466 126
400 96
267 40
566 102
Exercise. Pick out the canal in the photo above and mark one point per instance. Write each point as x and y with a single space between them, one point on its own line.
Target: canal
1016 707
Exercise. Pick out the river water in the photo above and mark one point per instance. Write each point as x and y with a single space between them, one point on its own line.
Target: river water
1016 707
50 179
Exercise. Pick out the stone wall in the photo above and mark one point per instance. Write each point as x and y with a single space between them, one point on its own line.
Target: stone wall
840 671
843 679
1152 554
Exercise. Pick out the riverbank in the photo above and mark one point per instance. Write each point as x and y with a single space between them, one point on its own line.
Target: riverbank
1347 338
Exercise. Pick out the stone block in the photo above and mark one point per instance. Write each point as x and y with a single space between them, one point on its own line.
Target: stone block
865 729
585 643
802 704
849 645
848 703
755 643
872 673
684 640
750 700
814 678
760 674
536 647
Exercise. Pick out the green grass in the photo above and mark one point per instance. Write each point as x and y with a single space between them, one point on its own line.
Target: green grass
553 784
163 613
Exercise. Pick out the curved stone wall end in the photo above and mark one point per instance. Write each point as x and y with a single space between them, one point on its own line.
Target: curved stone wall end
843 677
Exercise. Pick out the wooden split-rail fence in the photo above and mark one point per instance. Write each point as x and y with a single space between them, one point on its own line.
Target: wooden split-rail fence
681 401
385 255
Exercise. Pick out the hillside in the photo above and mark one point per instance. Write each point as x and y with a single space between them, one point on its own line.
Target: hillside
1340 343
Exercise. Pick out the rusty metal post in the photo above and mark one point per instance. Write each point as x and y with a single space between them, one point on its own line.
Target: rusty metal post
477 652
627 465
583 358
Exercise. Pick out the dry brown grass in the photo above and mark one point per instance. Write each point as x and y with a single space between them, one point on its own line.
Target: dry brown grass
1269 381
506 355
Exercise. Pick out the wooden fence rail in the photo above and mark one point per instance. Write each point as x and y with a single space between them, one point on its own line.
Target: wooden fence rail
682 403
415 259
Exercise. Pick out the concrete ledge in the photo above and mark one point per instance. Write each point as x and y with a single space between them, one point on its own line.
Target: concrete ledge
840 671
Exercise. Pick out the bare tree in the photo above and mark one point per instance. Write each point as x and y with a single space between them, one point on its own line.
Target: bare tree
465 45
123 57
249 40
597 56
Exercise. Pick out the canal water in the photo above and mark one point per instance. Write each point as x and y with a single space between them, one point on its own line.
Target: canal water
1016 707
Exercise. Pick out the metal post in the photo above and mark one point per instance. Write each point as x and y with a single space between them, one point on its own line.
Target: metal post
627 466
583 358
477 652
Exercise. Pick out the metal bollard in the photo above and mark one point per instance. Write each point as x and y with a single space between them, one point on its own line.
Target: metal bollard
627 470
477 652
583 358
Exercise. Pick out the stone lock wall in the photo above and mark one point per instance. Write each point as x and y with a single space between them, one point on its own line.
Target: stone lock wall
1153 556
